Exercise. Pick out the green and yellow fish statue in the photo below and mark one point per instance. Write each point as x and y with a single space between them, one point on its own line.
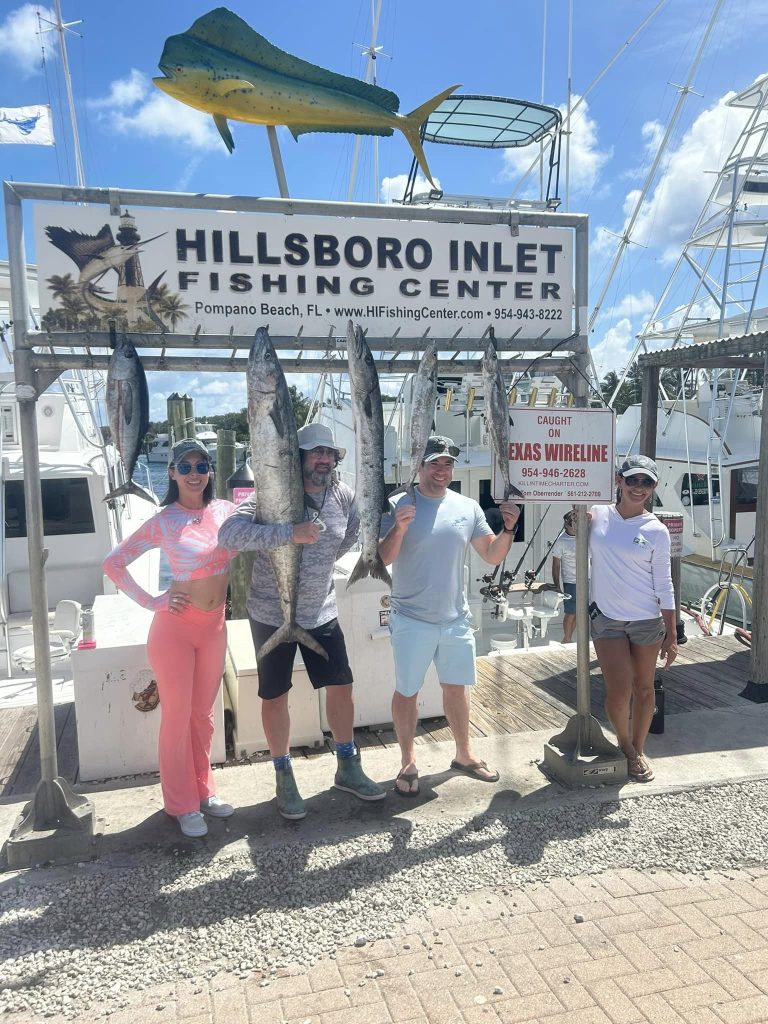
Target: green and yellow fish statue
225 68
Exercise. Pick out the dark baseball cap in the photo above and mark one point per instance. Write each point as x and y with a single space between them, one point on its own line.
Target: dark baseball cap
639 464
182 448
439 447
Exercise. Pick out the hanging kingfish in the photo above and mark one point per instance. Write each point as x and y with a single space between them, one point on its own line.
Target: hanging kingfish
223 67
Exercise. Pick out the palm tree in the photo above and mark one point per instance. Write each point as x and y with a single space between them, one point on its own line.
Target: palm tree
61 286
171 308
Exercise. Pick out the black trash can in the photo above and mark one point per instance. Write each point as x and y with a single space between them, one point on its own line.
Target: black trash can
657 722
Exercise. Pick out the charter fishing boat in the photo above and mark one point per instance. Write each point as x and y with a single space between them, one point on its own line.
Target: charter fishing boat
78 468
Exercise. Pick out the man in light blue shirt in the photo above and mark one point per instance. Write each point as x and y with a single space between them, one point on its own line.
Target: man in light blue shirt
426 540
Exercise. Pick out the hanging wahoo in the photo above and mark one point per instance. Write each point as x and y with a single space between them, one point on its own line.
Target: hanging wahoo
128 412
223 67
497 414
370 490
276 466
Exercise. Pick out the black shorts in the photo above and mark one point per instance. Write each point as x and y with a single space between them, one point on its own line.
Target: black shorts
276 670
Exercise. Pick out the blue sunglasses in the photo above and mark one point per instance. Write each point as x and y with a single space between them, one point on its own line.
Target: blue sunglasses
185 468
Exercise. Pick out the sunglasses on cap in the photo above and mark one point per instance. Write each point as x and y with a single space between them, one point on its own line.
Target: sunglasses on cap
640 481
185 468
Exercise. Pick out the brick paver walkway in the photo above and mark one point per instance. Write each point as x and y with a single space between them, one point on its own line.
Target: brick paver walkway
616 948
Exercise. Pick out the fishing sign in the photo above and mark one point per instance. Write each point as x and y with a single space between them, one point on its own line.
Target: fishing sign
183 270
560 455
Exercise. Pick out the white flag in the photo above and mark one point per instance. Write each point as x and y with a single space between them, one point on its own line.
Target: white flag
27 125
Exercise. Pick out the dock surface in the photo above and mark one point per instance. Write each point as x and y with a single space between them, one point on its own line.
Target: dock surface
519 692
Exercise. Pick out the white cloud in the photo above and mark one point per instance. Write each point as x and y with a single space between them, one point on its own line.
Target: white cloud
124 92
20 40
392 189
671 211
586 159
134 107
631 306
653 133
615 348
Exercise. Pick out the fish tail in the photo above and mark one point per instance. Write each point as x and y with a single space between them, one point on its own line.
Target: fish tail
373 567
411 128
130 488
511 491
288 633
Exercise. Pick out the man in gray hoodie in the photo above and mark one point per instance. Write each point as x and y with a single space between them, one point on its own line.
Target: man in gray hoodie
329 529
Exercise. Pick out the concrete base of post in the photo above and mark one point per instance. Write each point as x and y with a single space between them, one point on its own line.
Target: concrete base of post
581 755
56 825
756 692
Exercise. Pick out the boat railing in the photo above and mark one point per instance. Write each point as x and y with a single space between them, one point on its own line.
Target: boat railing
730 583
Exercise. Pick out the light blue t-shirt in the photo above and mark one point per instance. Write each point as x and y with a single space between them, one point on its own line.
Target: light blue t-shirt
428 574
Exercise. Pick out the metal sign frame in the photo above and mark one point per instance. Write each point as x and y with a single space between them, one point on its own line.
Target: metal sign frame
57 821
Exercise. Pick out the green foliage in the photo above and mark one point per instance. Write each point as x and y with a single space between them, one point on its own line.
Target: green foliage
631 391
238 421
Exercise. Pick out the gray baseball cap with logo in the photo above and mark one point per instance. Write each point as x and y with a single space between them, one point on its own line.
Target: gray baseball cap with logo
181 448
439 447
637 464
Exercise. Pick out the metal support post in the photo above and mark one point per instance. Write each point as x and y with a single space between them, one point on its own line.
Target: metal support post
56 824
277 160
581 755
757 688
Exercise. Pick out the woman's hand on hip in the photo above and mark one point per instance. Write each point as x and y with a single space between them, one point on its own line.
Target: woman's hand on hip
177 602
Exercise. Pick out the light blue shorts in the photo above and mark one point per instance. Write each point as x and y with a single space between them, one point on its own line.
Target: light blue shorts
415 644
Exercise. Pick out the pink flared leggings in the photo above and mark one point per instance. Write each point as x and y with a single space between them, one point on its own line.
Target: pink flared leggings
186 652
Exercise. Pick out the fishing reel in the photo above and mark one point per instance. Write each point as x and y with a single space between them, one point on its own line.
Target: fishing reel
496 592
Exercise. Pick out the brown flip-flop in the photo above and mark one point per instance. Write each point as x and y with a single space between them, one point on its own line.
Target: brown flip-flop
639 769
411 779
475 769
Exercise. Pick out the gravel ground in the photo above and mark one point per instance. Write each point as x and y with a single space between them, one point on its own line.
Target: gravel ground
70 939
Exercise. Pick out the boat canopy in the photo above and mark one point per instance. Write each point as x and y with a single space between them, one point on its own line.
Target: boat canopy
491 122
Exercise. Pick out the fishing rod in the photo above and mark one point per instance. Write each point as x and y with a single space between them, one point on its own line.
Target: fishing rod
517 568
531 575
497 592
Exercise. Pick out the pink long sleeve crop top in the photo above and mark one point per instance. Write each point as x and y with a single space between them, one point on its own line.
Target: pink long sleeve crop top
189 540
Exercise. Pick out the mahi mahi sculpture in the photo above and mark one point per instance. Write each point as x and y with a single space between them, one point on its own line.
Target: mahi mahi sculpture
225 68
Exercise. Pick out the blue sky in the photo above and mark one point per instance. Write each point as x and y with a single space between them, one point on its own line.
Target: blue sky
133 136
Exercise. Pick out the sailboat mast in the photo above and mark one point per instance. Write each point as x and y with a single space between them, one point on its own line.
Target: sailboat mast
372 52
62 28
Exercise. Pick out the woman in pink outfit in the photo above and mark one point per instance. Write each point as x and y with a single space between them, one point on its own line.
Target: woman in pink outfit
187 638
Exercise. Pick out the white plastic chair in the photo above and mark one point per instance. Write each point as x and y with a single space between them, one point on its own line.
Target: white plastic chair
519 609
62 635
546 605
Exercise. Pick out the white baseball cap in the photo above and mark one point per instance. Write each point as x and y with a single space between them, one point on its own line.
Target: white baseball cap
318 435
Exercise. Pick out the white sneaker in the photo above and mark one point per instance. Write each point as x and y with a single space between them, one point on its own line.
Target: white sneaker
216 807
192 824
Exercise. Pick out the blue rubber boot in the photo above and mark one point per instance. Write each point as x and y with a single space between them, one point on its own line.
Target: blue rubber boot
351 778
289 802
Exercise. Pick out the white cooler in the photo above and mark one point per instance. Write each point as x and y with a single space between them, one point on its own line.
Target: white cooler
363 616
242 681
114 736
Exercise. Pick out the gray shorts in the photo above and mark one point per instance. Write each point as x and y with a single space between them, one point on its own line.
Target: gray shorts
644 632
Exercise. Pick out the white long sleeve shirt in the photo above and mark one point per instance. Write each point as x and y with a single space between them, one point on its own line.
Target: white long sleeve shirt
630 576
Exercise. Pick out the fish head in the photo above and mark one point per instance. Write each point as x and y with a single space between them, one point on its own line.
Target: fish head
187 74
263 368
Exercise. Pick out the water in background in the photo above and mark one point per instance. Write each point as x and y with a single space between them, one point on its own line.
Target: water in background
158 475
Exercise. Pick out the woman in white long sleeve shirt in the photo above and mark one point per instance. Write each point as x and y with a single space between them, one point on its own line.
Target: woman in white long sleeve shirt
632 607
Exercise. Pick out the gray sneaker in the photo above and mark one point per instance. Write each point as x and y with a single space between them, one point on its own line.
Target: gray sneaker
351 778
289 802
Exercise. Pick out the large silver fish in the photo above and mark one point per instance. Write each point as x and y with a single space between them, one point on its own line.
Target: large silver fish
370 491
497 414
128 412
278 478
423 400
